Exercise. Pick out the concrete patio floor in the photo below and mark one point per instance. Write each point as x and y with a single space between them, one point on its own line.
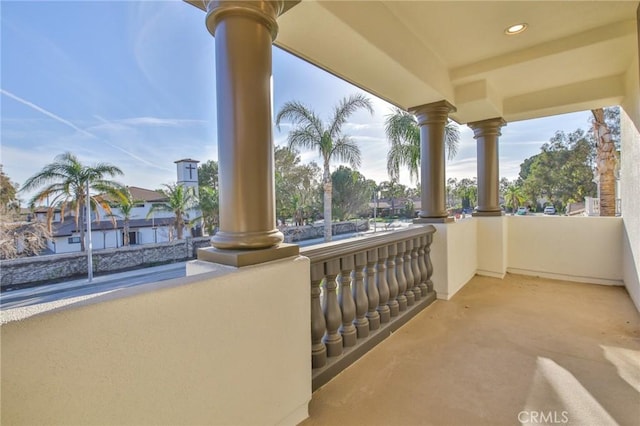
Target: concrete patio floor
522 350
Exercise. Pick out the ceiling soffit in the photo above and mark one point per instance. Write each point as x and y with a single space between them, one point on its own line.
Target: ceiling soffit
416 52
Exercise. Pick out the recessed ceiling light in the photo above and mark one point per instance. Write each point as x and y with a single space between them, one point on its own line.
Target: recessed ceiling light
515 29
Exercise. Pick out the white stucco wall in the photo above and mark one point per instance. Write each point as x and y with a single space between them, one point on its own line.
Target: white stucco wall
492 246
454 256
225 347
630 194
585 249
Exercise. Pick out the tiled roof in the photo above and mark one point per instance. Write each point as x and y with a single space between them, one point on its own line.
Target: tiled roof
68 227
146 194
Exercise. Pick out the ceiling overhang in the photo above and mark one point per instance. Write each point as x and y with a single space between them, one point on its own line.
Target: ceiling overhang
573 55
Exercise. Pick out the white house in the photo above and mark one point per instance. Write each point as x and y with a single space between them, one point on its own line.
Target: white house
108 231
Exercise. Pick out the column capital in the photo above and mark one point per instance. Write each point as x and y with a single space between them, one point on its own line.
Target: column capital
433 112
264 11
490 127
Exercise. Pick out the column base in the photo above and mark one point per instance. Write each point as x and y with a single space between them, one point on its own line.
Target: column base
433 220
240 258
247 240
485 214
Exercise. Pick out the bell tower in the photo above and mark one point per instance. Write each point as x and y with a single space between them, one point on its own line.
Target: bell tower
188 173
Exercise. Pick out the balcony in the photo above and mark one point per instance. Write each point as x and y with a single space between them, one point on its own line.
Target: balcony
198 350
499 353
237 345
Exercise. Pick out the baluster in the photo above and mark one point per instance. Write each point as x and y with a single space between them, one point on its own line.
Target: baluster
402 281
332 315
394 307
415 268
427 257
408 245
423 265
318 324
347 305
383 287
372 290
360 297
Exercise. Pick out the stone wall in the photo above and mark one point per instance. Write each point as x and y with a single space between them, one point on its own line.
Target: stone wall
37 269
40 269
293 234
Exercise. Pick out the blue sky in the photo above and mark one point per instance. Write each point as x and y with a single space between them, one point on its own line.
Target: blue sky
133 84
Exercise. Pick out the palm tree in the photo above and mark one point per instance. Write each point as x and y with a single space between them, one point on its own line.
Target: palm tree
180 199
327 138
210 207
66 182
606 161
403 133
392 190
513 197
125 203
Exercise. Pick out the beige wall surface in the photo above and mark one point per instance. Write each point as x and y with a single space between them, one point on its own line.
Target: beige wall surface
630 175
227 347
630 194
454 256
586 249
492 246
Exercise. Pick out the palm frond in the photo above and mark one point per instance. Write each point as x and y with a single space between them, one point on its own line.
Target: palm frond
451 139
402 127
299 114
304 138
405 155
346 150
345 108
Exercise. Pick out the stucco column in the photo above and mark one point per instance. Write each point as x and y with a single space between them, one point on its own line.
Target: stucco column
432 119
486 133
244 32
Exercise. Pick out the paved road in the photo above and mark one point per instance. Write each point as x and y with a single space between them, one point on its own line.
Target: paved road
76 288
55 295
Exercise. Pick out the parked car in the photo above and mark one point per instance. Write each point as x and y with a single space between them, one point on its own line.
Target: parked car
521 211
549 210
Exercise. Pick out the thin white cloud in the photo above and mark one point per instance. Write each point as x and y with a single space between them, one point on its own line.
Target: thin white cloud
369 139
45 112
363 126
73 126
160 122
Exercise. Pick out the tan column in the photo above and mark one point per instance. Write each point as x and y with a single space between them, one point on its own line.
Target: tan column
432 119
486 133
244 32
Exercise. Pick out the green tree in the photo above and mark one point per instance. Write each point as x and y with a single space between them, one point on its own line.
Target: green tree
351 193
403 134
467 190
562 171
8 195
210 208
513 197
124 202
392 190
208 174
180 199
409 209
296 186
311 133
66 181
450 188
